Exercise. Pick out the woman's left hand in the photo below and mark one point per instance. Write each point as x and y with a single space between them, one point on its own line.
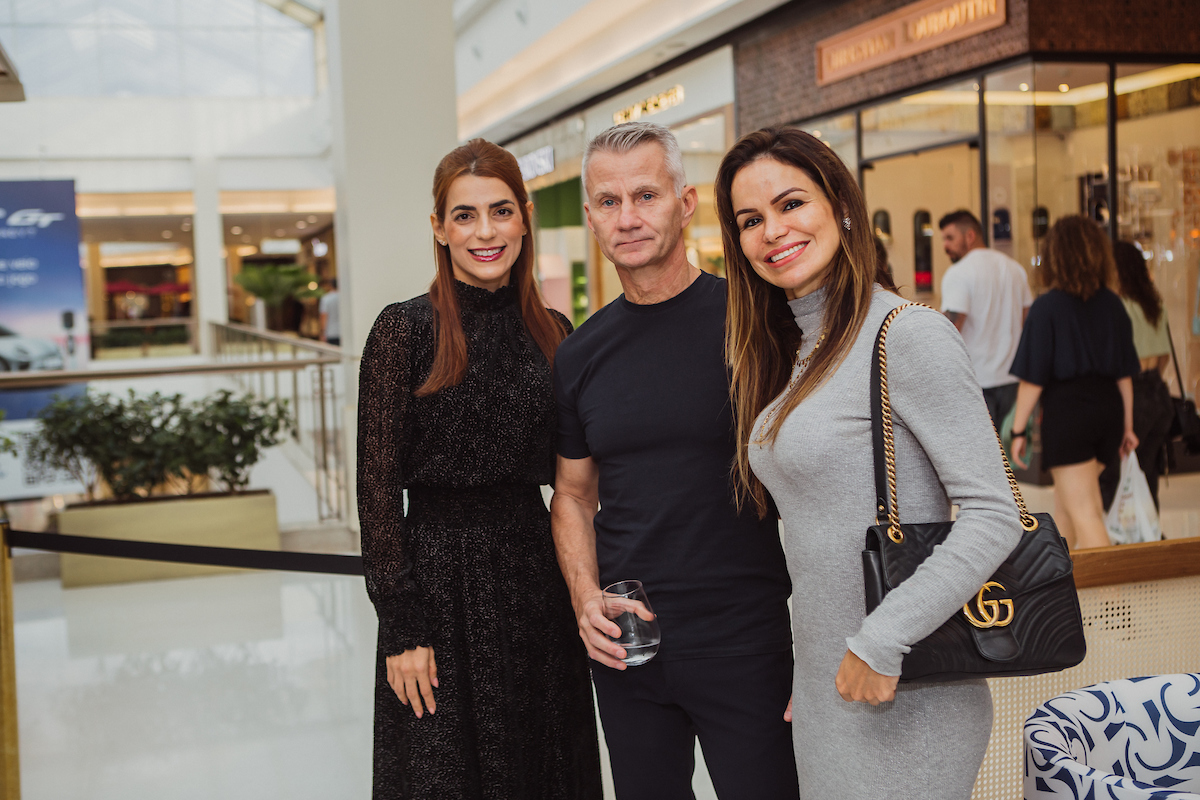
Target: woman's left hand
1129 443
858 683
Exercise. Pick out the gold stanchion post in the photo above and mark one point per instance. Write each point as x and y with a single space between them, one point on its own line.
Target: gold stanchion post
10 765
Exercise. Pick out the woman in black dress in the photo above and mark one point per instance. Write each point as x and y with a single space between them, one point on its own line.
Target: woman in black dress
482 686
1077 357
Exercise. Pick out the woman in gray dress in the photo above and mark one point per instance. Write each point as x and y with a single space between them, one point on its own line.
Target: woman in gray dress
804 308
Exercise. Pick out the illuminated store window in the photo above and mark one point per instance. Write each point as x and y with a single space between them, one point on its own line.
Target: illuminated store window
923 251
1071 139
1011 162
921 121
703 142
838 132
1158 190
921 161
881 224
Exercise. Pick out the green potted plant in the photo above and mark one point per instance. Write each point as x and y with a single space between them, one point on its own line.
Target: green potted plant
152 457
273 284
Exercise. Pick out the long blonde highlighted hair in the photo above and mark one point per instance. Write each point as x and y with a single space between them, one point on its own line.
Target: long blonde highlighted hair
761 337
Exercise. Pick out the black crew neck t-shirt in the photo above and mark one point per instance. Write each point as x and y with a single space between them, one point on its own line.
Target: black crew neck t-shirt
644 391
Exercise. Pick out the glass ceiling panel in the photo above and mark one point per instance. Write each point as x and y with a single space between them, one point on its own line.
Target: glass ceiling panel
209 48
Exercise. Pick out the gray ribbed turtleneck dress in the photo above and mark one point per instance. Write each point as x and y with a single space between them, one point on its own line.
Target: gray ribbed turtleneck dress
930 741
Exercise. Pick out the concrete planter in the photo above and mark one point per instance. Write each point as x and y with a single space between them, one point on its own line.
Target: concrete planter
245 520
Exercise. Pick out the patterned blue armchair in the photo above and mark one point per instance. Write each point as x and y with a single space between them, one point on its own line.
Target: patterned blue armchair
1136 739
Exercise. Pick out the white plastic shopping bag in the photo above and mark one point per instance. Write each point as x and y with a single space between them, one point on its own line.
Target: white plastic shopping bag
1132 517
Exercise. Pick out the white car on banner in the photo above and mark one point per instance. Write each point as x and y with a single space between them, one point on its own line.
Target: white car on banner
20 353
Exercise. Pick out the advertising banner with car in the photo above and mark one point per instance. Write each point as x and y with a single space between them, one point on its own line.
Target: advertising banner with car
43 319
43 311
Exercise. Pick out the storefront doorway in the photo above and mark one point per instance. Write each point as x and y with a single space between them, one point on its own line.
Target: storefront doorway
906 196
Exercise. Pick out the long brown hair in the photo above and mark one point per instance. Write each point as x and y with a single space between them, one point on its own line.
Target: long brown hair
761 336
486 160
1135 280
1077 257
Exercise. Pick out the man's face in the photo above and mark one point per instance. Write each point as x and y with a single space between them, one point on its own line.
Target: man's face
957 241
632 208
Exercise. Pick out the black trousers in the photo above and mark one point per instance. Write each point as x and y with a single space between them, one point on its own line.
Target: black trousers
652 715
1000 400
1152 415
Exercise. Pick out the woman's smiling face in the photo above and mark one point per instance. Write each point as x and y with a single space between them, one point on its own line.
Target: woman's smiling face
483 230
786 225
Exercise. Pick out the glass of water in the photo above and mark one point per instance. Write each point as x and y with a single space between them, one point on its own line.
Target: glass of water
639 637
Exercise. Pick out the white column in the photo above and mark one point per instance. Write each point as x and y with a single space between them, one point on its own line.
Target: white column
394 108
209 285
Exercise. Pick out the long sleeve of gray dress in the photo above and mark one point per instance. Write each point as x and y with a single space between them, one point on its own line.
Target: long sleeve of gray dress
932 388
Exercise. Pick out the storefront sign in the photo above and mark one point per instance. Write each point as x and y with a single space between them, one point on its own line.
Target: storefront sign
651 105
913 29
537 163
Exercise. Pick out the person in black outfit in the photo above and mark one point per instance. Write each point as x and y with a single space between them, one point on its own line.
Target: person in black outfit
646 435
1153 411
482 687
1077 355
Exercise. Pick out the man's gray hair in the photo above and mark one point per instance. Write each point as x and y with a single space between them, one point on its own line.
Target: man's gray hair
622 138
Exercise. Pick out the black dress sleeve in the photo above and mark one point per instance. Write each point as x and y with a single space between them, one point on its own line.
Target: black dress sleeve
384 390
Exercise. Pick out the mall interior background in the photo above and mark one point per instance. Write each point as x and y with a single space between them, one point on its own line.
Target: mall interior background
208 138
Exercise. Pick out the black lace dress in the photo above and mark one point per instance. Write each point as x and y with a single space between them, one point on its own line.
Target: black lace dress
470 570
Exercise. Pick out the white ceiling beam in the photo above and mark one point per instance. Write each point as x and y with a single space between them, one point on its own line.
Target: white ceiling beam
604 44
301 12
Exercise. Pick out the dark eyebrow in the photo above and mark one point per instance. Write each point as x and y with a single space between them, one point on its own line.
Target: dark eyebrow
784 194
774 200
471 208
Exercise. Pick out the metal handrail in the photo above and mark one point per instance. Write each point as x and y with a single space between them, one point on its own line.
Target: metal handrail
313 395
278 338
243 351
152 322
45 379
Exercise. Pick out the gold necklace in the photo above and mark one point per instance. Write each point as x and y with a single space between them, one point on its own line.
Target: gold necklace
797 372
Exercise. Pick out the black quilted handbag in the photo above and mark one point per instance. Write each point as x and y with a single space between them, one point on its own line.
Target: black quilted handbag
1024 621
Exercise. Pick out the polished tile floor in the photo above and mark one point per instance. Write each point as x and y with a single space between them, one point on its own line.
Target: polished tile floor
252 685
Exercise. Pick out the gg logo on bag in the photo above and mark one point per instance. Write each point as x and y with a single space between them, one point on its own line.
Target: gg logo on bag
989 609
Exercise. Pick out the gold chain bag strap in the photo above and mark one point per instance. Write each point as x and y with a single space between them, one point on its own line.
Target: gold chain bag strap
1025 620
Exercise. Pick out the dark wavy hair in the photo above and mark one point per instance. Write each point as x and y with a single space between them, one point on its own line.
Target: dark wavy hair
486 160
1077 257
760 332
1135 281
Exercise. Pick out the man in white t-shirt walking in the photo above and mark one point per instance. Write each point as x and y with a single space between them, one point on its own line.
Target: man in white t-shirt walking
986 295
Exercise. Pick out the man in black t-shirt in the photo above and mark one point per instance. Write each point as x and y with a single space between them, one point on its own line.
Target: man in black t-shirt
643 492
